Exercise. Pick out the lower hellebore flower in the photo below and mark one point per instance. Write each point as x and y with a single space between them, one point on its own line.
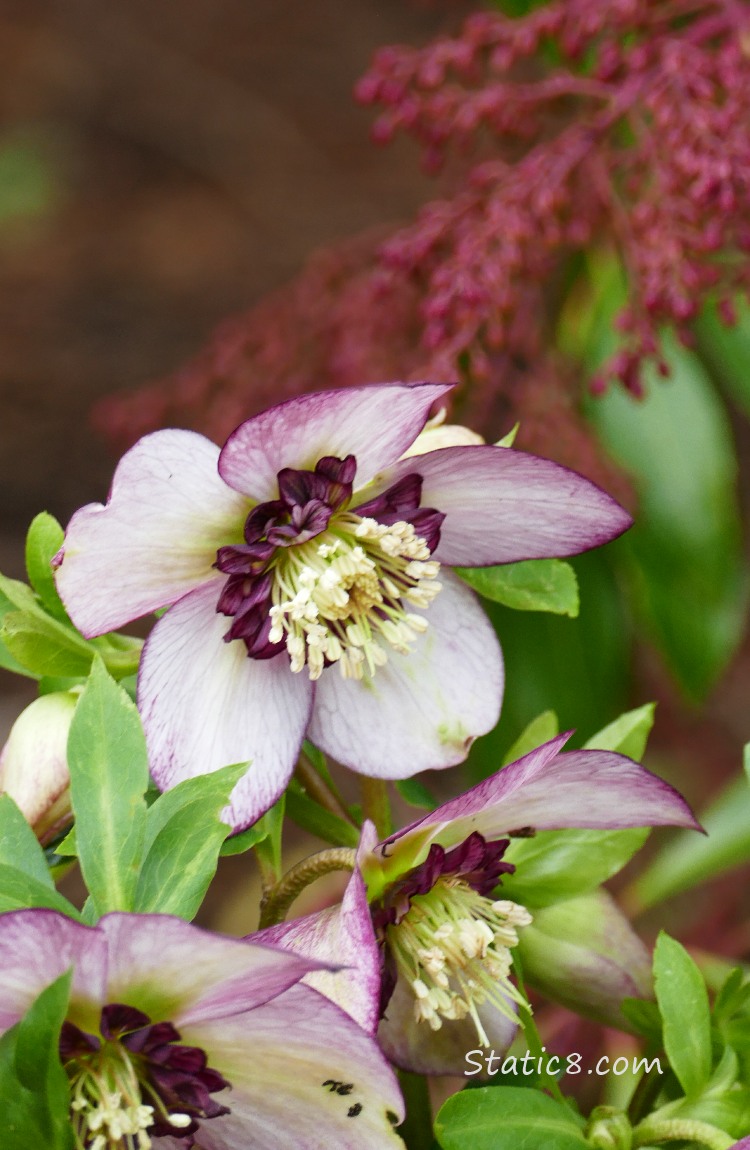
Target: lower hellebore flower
305 567
424 902
175 1037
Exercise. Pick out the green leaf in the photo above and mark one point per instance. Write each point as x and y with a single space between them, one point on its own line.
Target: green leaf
44 646
540 730
628 735
181 847
683 557
683 1001
416 794
726 350
19 891
245 840
268 850
691 859
309 815
555 865
507 1118
108 778
644 1017
19 846
43 541
534 585
33 1085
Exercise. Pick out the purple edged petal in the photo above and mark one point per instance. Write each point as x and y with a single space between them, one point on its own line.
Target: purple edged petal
548 791
342 934
422 710
176 971
36 947
304 1077
205 704
156 538
502 506
414 1046
375 424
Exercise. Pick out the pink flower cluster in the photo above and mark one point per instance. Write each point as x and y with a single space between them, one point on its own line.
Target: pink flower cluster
638 137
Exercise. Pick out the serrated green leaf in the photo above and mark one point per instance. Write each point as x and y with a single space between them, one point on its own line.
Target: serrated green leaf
108 778
683 1002
19 846
19 891
540 730
691 859
556 865
534 585
507 1118
34 1087
183 837
43 541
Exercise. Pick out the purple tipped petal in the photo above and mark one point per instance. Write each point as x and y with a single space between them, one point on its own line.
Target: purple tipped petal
36 947
375 424
155 539
547 790
422 710
304 1077
503 506
206 976
415 1046
342 934
205 704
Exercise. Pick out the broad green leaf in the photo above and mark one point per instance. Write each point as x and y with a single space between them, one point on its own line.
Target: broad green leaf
555 865
19 891
43 541
540 730
507 1118
183 837
44 646
19 846
108 778
309 815
683 557
534 585
683 1002
34 1087
690 859
416 794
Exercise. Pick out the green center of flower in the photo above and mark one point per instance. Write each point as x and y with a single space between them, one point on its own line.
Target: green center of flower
344 596
453 947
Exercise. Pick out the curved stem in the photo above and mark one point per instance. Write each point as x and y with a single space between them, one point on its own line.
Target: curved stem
682 1129
279 898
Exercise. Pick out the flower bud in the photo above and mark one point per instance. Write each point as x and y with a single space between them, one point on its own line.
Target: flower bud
34 766
584 954
609 1129
436 436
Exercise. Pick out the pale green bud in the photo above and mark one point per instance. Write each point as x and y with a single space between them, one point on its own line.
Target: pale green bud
34 766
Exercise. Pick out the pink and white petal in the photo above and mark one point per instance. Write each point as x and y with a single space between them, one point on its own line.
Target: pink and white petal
36 947
34 761
375 423
173 970
304 1077
422 710
156 538
502 506
414 1046
548 791
343 935
205 704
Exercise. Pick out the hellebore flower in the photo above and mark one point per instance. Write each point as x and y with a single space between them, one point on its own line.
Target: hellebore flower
34 763
425 898
304 566
175 1036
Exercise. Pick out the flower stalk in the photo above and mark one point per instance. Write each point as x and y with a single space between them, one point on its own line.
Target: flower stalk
278 899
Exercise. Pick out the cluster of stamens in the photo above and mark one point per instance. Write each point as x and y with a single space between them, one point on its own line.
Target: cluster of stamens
344 596
453 946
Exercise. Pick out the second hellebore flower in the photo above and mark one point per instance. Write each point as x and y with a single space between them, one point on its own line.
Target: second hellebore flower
175 1036
304 568
423 903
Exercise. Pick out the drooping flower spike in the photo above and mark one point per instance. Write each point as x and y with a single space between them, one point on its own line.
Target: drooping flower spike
426 900
175 1036
305 569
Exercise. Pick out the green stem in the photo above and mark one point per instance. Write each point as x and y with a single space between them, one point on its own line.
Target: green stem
319 790
682 1129
645 1095
279 898
376 804
416 1129
531 1034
